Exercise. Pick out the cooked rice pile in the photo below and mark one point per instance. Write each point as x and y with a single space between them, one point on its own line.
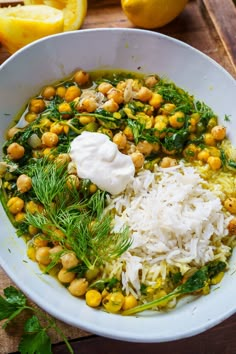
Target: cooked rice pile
175 221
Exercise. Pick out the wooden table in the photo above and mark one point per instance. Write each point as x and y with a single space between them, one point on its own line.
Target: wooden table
210 26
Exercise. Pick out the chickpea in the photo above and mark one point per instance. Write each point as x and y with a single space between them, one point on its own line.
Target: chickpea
55 249
45 123
78 287
15 205
156 100
20 217
104 87
232 227
93 188
49 92
230 205
65 109
23 183
12 131
33 230
30 117
160 294
15 151
58 234
214 151
214 162
168 152
177 120
116 95
203 155
110 106
120 140
56 128
62 159
49 139
167 108
69 260
73 182
194 119
218 132
191 152
33 207
48 153
72 92
151 81
212 122
93 298
160 129
81 77
61 91
88 104
91 274
155 147
64 276
71 169
40 241
42 255
144 94
37 105
86 120
144 147
161 118
168 162
113 302
121 85
128 133
129 302
138 159
209 139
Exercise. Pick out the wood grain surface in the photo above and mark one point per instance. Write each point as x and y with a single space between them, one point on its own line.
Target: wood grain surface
210 26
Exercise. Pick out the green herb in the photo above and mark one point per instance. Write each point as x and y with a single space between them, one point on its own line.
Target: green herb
196 282
35 339
176 141
227 118
87 231
102 284
204 111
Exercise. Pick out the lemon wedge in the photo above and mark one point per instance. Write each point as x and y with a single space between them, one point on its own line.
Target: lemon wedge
152 13
74 11
21 25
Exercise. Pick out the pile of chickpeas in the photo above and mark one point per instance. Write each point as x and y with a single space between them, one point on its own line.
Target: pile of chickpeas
158 115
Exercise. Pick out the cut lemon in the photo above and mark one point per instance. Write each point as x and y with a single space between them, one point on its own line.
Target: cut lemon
152 13
21 25
74 11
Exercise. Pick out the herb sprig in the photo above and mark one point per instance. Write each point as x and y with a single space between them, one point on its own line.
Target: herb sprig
35 338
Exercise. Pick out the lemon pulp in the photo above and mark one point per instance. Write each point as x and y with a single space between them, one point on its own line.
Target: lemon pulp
21 25
74 11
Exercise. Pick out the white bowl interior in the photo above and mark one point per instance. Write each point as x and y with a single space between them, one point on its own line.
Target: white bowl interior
56 57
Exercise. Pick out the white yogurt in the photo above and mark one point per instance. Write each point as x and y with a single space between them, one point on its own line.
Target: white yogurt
98 159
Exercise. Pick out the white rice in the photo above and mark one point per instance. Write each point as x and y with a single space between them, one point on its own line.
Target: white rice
174 220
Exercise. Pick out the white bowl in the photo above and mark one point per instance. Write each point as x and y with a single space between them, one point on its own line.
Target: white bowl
55 57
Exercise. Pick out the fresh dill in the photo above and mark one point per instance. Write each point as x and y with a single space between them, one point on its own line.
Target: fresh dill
86 229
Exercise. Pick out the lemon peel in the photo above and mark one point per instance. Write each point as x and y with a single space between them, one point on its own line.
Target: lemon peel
74 11
152 13
21 25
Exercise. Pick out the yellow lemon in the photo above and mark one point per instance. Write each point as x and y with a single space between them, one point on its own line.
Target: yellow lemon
74 11
152 13
21 25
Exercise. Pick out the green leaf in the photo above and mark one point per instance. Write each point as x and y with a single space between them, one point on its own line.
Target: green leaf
196 282
12 305
36 343
14 296
32 325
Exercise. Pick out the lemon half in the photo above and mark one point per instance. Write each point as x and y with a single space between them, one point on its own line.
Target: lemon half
21 25
74 11
152 13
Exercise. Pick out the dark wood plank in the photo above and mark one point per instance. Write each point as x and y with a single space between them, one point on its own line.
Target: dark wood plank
223 16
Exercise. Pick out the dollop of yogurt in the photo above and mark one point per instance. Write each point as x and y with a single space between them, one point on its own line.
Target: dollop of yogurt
98 159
